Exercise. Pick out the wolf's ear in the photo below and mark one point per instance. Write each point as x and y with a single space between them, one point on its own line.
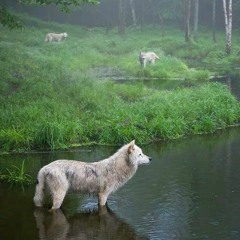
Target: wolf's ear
131 146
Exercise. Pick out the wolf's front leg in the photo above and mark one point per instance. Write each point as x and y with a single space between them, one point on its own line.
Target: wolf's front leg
102 198
58 197
144 62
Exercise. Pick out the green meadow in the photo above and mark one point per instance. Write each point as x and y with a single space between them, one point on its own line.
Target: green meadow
52 96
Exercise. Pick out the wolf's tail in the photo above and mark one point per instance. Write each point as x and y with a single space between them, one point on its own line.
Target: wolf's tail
39 193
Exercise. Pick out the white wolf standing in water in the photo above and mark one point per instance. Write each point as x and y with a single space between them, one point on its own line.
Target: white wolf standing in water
97 178
55 37
146 57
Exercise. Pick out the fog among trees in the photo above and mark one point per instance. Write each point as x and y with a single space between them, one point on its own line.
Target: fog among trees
109 13
188 15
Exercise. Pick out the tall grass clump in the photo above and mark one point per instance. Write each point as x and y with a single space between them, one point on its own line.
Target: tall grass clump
16 175
170 114
193 111
201 75
83 111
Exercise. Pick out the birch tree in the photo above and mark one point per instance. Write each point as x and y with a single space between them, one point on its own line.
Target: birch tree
227 8
134 19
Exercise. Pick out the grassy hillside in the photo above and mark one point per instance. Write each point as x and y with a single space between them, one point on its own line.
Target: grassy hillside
51 96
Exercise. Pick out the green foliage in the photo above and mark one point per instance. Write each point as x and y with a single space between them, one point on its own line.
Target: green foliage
16 175
11 138
103 112
189 111
9 20
201 75
50 98
49 135
168 9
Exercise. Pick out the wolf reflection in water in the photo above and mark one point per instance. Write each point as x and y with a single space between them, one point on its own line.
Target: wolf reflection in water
101 224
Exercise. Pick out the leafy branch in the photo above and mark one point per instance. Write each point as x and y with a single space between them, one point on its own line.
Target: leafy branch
9 20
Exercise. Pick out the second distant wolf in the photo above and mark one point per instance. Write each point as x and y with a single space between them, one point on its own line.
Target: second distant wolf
147 57
57 37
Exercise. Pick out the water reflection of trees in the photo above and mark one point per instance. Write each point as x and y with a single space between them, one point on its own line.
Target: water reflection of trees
101 224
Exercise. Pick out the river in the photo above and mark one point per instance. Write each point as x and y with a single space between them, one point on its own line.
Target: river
189 191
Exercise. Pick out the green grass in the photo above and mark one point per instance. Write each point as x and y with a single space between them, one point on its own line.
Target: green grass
16 175
50 100
105 112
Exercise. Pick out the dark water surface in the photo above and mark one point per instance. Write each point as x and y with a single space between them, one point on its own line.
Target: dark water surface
191 190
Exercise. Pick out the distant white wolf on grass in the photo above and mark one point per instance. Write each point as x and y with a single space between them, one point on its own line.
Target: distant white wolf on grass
57 37
97 178
147 57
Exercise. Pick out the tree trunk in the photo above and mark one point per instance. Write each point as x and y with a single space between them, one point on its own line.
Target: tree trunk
142 15
196 13
228 24
49 13
187 9
134 19
161 18
121 17
214 20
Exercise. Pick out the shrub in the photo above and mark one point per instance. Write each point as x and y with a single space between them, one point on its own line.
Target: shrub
16 175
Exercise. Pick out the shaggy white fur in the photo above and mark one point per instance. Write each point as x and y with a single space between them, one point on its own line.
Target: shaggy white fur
50 37
98 178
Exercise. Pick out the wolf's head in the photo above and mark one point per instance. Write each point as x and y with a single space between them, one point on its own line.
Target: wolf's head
65 35
136 155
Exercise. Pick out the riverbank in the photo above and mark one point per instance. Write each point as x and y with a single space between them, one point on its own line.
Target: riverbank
62 114
50 98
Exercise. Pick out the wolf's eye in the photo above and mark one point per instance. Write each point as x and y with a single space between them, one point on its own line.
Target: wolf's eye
140 155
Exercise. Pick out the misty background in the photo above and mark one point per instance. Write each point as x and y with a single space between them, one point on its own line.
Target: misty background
106 13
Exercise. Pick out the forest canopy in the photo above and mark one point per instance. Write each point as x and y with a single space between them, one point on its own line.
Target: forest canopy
9 20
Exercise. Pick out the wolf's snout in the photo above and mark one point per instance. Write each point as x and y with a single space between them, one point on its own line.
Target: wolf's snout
150 159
